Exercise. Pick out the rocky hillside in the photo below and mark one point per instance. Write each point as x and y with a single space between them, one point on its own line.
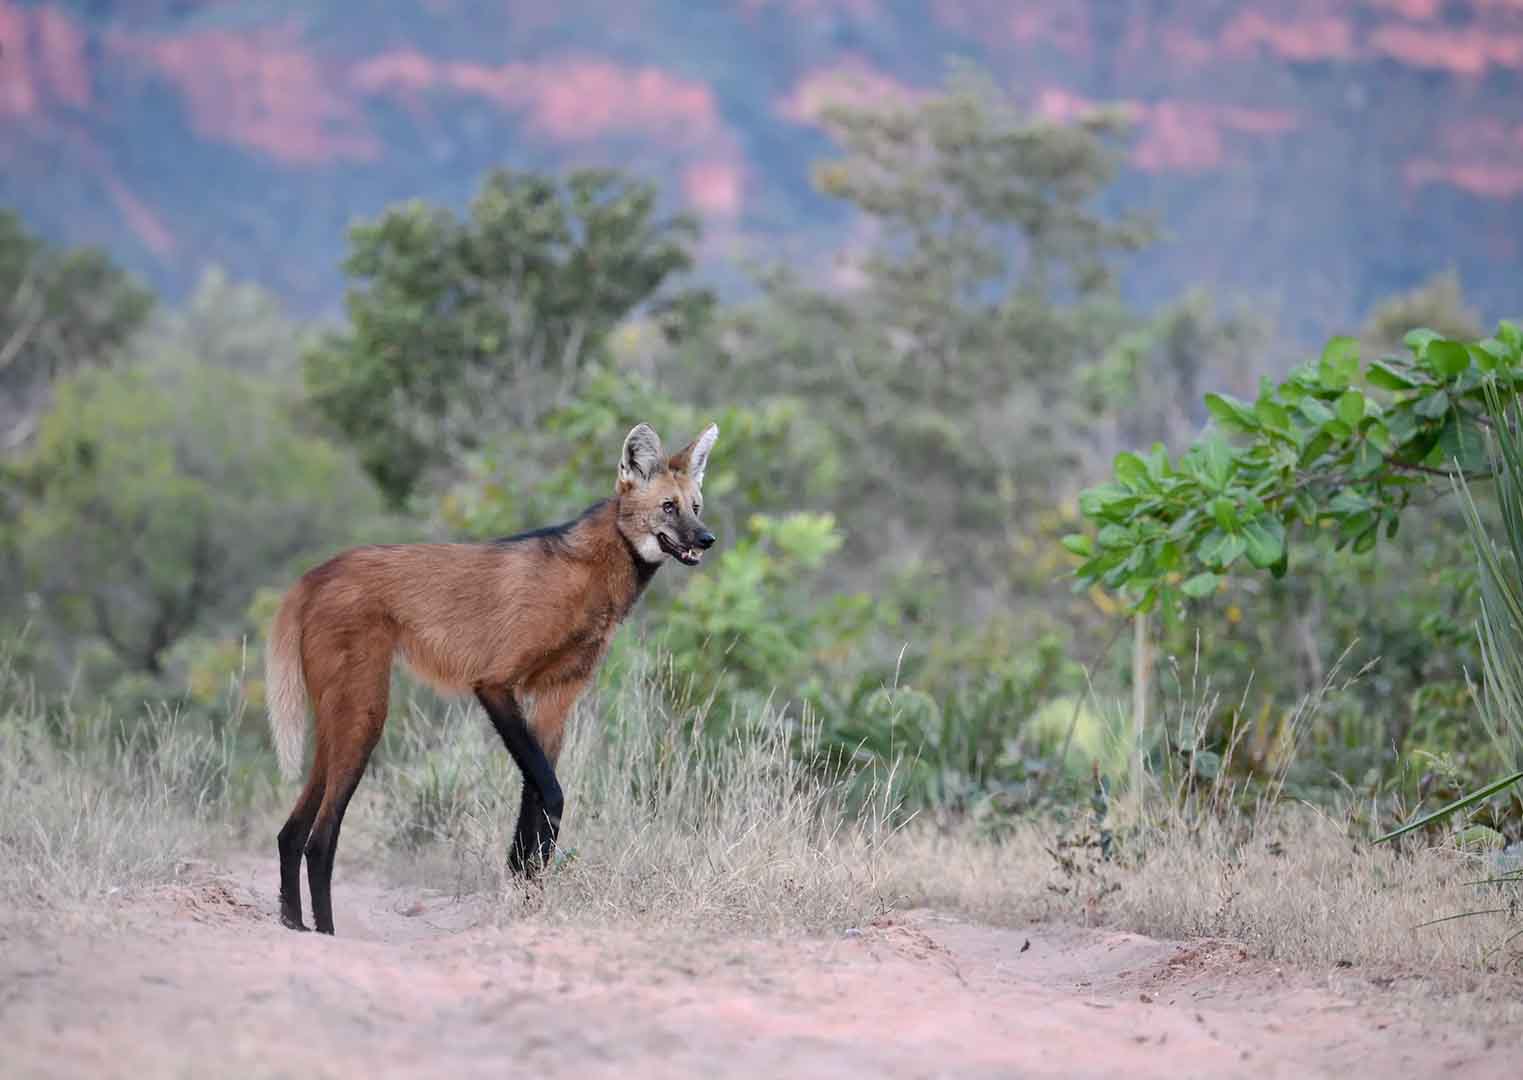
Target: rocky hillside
1315 153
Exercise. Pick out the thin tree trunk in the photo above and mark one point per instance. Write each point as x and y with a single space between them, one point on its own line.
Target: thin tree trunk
1142 670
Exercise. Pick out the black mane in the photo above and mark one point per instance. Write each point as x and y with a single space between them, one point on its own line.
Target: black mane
552 536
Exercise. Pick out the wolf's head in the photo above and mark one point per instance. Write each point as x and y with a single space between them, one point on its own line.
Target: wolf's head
660 498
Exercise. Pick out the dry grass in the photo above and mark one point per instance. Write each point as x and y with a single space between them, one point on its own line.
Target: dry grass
1292 885
658 827
1298 888
663 831
77 824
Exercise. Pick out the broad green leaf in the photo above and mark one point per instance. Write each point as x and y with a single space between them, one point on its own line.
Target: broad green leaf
1079 544
1229 551
1100 565
1118 576
1315 448
1272 415
1490 354
1470 379
1383 375
1433 406
1231 413
1266 541
1402 425
1113 537
1463 440
1446 358
1131 470
1200 585
1225 512
1368 460
1349 501
1350 408
1304 376
1339 364
1106 500
1424 448
1379 437
1510 336
1355 524
1217 459
1314 410
1331 378
1342 353
1418 340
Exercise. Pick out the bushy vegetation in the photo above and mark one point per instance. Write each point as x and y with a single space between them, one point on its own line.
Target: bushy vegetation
909 455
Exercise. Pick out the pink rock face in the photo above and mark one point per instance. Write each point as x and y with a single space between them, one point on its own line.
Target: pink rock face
266 91
1298 107
42 62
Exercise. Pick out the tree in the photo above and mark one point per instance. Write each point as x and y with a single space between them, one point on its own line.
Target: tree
1438 304
158 497
237 326
1147 386
459 329
59 311
982 293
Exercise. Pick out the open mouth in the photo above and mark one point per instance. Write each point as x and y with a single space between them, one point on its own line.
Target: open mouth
688 556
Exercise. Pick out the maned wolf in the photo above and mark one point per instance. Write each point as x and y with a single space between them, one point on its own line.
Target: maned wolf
522 621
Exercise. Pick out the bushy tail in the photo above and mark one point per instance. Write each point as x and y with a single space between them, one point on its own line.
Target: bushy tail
285 686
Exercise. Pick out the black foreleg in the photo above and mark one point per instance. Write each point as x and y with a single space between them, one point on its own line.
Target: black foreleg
539 815
533 836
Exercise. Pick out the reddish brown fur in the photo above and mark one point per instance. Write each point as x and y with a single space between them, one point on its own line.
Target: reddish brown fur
527 619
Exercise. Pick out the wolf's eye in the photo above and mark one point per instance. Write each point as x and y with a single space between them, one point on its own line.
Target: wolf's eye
669 506
697 507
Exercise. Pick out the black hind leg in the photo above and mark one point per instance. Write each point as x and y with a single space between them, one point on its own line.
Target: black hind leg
291 842
321 848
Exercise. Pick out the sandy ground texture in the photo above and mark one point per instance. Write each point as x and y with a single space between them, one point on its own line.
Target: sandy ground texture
199 979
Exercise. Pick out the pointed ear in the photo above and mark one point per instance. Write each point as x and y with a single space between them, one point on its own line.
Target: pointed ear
694 457
640 458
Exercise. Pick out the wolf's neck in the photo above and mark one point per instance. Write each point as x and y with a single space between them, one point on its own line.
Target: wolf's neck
600 525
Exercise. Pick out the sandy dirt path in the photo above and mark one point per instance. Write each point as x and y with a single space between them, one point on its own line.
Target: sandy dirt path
200 980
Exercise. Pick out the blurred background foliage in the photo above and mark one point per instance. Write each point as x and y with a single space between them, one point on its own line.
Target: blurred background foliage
901 449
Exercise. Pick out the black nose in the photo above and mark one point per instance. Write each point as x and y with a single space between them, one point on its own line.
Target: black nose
705 540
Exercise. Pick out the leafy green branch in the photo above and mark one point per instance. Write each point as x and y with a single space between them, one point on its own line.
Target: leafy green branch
1334 446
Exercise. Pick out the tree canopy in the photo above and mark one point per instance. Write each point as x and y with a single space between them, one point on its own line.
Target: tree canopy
60 310
462 327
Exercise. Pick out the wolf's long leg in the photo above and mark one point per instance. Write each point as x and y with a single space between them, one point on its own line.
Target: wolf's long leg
539 815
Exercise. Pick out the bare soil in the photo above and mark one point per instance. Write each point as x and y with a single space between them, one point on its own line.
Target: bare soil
199 979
